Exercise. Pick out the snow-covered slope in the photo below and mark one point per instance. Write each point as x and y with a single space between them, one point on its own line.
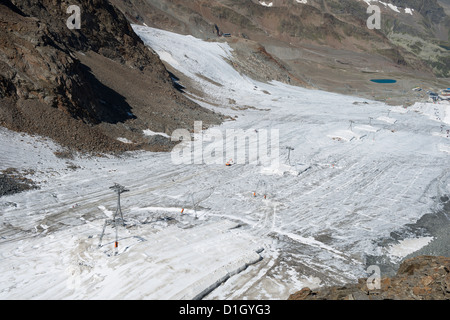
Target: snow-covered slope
357 172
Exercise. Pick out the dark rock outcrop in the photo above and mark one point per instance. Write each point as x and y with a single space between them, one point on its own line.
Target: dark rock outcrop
419 278
12 181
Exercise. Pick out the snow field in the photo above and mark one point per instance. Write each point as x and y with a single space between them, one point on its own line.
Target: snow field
407 246
323 211
172 263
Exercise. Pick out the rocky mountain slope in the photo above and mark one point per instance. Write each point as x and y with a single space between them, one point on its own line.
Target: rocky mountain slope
85 88
323 43
419 278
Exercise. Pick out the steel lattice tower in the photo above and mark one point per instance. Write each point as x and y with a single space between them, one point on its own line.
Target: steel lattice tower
119 190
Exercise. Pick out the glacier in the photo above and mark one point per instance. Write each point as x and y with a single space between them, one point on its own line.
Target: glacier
356 172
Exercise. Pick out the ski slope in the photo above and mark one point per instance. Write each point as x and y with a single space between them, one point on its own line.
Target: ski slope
357 173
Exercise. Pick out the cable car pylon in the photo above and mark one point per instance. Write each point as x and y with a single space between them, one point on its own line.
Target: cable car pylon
119 190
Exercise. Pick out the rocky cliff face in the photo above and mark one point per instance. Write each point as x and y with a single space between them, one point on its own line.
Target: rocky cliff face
419 278
46 89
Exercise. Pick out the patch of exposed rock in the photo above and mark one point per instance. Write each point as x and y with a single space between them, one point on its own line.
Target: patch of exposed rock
12 181
419 278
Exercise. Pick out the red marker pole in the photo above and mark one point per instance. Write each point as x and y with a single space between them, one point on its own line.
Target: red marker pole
116 243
